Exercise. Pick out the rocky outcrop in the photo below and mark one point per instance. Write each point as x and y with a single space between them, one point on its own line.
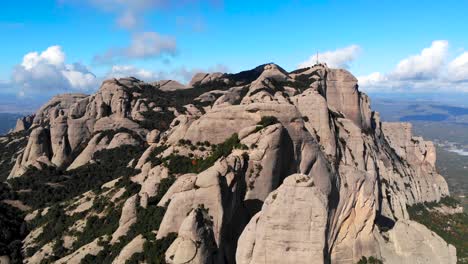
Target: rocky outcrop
169 85
36 153
291 227
23 123
204 78
127 219
410 242
133 247
76 257
98 142
195 243
267 167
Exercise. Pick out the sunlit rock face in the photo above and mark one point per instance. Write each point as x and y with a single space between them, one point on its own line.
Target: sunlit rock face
303 170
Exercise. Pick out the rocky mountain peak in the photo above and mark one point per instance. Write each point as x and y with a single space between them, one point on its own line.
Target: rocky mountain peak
260 166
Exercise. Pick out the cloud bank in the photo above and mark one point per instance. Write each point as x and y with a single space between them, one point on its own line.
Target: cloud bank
430 70
339 58
143 45
47 71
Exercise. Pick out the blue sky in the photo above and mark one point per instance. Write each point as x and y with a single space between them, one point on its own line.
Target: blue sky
381 42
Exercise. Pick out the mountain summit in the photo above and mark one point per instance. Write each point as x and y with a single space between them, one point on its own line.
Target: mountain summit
258 167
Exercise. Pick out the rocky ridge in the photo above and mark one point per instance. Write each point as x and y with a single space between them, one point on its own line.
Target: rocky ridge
262 166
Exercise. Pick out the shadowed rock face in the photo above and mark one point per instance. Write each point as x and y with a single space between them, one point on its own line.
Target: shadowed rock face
307 177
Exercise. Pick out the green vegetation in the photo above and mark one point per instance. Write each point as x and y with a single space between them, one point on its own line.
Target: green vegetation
369 260
153 250
51 185
98 226
8 152
301 82
452 228
157 120
266 121
178 164
148 220
12 232
54 223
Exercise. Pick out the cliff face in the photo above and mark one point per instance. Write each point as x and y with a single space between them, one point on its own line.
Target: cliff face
263 166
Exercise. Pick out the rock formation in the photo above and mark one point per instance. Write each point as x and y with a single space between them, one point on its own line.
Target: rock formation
267 167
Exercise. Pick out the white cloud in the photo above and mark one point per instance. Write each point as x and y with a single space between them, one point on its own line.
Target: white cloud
372 79
426 65
120 71
181 74
340 58
185 75
47 71
142 46
53 55
127 20
425 72
458 68
130 13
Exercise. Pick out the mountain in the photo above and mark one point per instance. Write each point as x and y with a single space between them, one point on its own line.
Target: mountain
7 122
262 166
448 133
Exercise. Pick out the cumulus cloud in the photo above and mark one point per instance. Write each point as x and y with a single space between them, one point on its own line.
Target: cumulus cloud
426 71
425 65
372 79
340 58
143 45
458 68
47 71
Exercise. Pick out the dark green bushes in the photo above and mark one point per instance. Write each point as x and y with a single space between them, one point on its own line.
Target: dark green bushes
52 185
370 260
55 222
452 228
98 226
153 250
178 164
148 220
266 121
12 232
157 120
8 150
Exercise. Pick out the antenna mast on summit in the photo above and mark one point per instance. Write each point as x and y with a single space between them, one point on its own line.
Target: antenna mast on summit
317 58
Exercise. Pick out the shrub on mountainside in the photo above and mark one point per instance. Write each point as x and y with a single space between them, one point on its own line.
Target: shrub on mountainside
153 250
266 121
178 164
148 220
370 260
51 185
452 228
12 232
9 150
